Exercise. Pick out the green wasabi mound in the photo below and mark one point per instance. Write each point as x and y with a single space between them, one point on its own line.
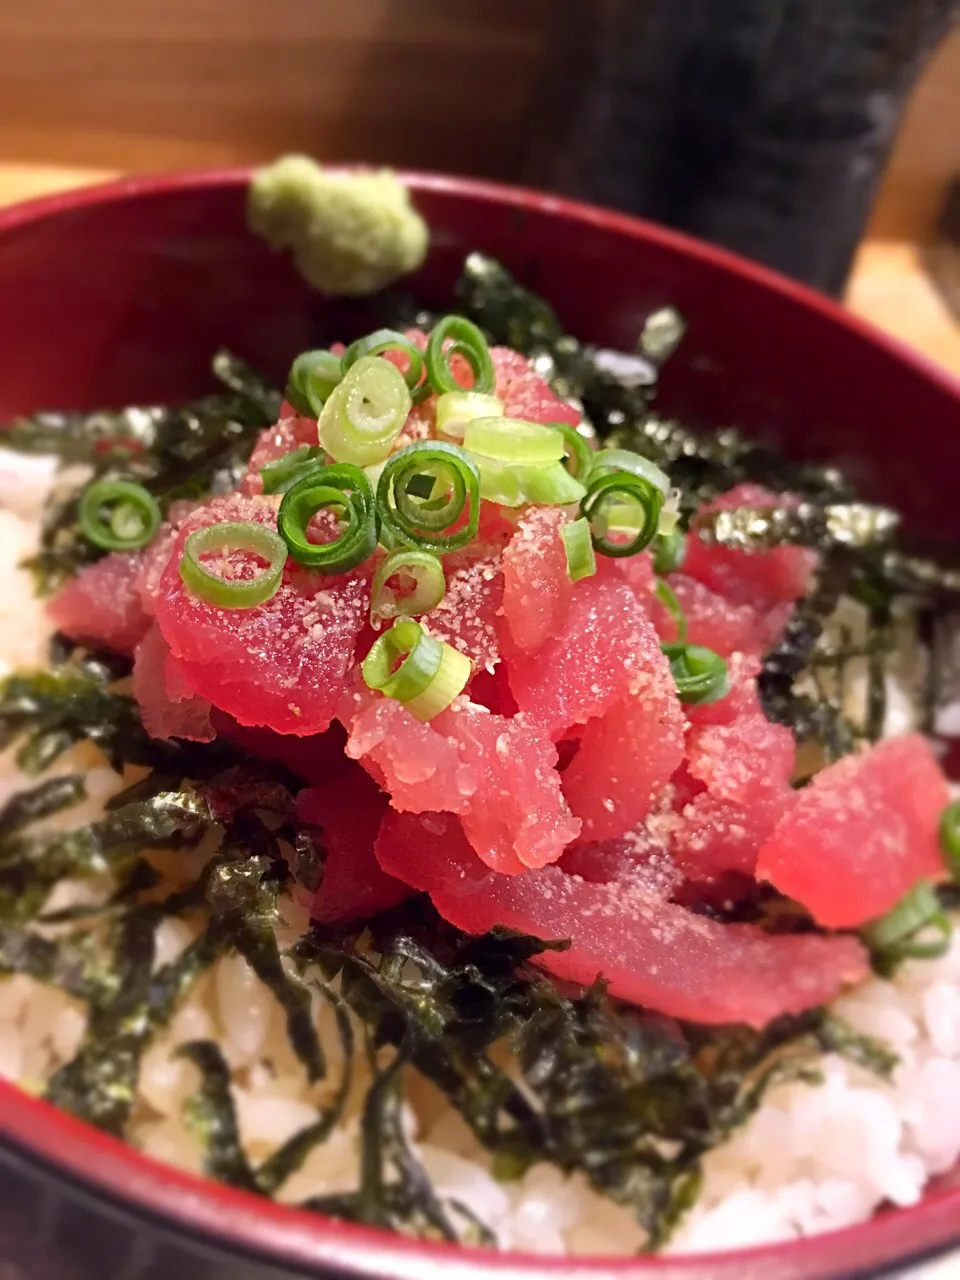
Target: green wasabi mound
350 234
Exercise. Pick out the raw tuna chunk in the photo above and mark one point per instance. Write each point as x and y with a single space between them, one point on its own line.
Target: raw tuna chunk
101 605
536 588
525 394
349 810
497 773
652 952
283 437
282 664
765 581
467 615
861 834
712 619
168 709
607 673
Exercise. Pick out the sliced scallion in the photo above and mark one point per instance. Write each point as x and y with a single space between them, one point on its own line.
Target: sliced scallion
456 408
375 344
421 568
118 515
701 676
950 838
364 415
667 597
610 461
225 541
457 336
513 441
430 523
577 543
344 489
510 485
669 551
624 504
430 675
917 928
578 456
279 475
313 376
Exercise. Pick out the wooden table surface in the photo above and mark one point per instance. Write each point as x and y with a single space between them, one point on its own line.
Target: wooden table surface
888 287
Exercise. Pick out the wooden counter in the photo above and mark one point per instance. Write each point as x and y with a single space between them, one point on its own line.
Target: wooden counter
889 287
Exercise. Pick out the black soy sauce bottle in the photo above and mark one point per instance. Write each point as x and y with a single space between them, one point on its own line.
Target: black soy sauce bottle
762 125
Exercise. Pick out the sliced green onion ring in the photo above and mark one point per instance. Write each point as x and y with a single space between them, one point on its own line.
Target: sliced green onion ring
456 408
222 539
430 675
610 461
614 496
581 559
701 675
429 584
667 597
375 344
118 515
313 376
427 523
950 838
578 456
511 440
669 551
344 488
365 413
510 485
917 928
279 475
465 340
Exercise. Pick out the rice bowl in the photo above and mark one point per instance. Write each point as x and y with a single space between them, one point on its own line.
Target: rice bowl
818 1186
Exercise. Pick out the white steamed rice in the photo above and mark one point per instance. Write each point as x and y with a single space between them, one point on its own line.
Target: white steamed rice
812 1158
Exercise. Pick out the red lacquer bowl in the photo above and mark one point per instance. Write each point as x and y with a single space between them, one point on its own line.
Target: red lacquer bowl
123 292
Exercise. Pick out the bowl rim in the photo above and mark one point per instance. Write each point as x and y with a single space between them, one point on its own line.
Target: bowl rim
240 1222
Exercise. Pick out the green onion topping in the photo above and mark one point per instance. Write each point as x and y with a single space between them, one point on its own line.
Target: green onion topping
279 475
375 344
365 413
465 340
513 441
456 408
950 838
625 505
512 485
223 541
667 597
700 674
581 561
578 456
428 523
118 515
610 461
313 376
669 551
346 490
421 568
430 675
916 928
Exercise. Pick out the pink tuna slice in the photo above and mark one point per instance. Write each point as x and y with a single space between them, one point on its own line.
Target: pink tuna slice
101 605
496 772
652 953
167 708
763 580
536 588
349 810
712 619
605 671
282 664
283 437
467 615
861 835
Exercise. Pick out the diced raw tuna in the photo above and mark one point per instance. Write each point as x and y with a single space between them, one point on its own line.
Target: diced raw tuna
536 588
525 394
712 619
467 615
283 437
168 709
498 774
606 672
762 581
652 952
349 810
861 834
101 605
282 664
318 758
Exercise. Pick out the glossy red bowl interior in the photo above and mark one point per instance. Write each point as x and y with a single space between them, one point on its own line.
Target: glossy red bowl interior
122 293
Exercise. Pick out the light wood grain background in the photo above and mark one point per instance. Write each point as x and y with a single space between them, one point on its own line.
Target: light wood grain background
146 84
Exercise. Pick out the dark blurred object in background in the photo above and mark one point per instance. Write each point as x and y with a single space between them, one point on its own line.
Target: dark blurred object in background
763 125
